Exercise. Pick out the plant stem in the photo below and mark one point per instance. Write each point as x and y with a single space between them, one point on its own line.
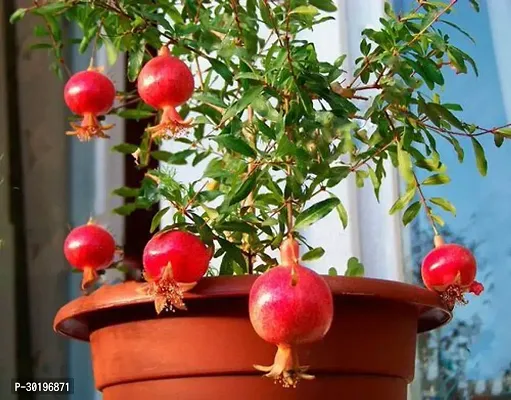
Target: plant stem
369 158
289 207
57 48
422 199
273 23
249 202
437 17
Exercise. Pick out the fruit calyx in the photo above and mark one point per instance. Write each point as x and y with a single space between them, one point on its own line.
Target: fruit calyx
166 292
89 128
286 369
171 124
89 277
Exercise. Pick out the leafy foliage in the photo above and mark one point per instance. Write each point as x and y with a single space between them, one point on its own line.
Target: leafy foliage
274 126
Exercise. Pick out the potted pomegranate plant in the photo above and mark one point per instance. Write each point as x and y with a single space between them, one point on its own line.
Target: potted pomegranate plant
272 128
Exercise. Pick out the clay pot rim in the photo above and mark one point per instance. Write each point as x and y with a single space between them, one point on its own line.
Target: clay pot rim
72 319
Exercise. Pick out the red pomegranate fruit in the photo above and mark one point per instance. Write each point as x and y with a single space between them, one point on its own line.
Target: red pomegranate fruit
89 94
290 305
89 248
165 83
450 269
173 262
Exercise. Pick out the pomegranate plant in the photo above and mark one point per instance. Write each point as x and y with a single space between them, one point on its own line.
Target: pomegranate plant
275 130
290 305
89 248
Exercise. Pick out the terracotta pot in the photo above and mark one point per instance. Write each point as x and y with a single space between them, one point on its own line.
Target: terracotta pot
208 351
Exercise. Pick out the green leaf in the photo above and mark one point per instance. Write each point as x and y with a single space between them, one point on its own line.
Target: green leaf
504 132
111 51
411 212
205 232
51 8
248 75
178 158
233 252
355 268
403 200
248 97
343 214
155 223
266 130
332 271
444 203
126 192
313 254
135 60
481 163
316 212
200 157
246 187
41 46
463 32
336 175
17 15
222 70
325 5
437 179
449 116
438 220
236 144
307 10
457 147
498 139
405 164
126 209
210 98
125 148
226 267
135 114
235 226
475 5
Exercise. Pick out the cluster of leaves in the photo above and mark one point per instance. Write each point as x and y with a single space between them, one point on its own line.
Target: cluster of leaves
274 126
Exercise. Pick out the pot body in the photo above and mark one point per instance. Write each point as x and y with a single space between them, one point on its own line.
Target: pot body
208 352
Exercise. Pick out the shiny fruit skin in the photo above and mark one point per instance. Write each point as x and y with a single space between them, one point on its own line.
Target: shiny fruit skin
89 246
165 81
89 92
187 254
283 313
448 264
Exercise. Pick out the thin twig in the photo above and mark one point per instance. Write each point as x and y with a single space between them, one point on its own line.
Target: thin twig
435 19
422 199
57 48
369 158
